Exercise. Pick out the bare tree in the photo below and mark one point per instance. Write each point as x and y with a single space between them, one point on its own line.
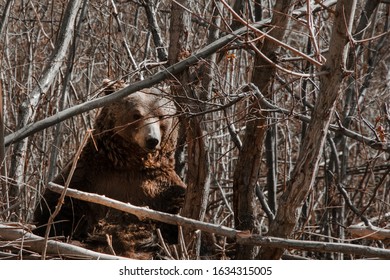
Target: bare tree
248 165
306 168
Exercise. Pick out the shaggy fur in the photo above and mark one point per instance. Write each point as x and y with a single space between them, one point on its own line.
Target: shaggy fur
130 158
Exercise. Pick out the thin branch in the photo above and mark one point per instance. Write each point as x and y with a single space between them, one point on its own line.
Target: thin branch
124 39
4 16
314 8
3 183
264 204
351 206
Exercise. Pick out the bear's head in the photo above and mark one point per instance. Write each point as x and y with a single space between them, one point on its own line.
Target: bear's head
145 118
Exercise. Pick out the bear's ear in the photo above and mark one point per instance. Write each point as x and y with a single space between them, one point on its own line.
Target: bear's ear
110 86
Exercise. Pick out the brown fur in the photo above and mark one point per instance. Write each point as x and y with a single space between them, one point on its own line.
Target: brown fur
115 165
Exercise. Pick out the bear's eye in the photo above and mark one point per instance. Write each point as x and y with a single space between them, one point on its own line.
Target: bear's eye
137 116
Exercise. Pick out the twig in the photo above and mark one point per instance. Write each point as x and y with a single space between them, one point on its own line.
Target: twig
315 8
350 204
124 40
382 181
373 220
264 204
310 26
109 244
183 247
3 183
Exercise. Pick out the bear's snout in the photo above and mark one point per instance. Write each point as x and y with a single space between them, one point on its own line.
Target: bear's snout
148 135
152 143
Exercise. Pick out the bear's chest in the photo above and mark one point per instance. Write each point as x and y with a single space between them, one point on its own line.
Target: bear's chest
135 187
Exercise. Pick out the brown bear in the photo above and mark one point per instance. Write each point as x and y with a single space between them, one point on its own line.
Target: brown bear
130 157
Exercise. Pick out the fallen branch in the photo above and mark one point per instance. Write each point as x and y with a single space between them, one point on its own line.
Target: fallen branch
19 236
369 232
374 220
314 246
144 212
239 236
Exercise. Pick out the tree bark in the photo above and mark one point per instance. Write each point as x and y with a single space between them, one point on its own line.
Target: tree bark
305 170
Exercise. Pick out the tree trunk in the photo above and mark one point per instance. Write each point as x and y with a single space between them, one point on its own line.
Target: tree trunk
247 169
197 149
198 175
64 93
27 108
3 177
305 170
3 180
